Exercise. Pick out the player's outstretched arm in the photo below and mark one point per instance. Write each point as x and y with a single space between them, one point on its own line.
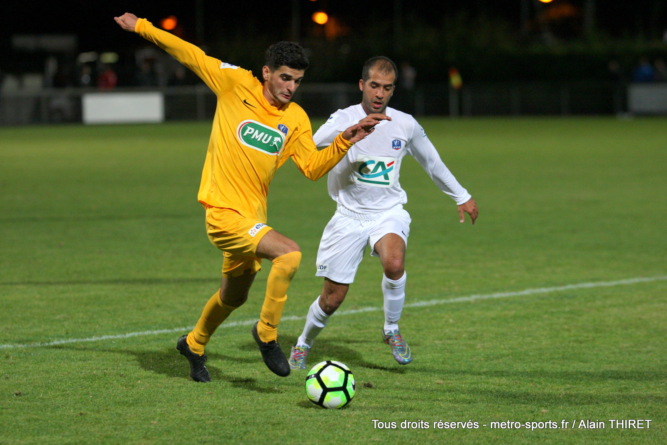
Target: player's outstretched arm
315 164
469 207
364 127
207 68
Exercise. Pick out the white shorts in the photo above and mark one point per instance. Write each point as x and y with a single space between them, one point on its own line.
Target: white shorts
346 236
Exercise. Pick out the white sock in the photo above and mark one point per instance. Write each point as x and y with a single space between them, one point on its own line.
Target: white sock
315 322
394 299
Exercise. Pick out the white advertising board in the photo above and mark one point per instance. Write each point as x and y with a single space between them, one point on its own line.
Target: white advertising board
123 108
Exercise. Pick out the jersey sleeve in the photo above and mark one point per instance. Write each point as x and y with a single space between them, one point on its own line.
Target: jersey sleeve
421 148
313 163
328 131
218 76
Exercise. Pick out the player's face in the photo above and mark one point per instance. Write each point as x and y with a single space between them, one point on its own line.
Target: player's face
280 84
377 91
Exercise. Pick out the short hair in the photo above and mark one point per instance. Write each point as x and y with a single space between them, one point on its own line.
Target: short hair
382 64
288 54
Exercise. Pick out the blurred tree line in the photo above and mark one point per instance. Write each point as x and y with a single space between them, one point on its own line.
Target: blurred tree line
483 48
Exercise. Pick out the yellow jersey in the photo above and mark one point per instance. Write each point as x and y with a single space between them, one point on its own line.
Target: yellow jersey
250 138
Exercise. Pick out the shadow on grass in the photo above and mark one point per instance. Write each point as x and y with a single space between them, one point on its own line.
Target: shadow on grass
170 363
326 349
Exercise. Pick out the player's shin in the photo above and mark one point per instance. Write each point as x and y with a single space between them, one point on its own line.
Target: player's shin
283 270
394 299
214 313
316 320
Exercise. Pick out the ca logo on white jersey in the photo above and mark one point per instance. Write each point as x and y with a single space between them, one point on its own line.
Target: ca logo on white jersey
377 171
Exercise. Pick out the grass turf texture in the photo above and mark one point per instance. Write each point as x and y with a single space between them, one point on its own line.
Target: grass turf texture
101 234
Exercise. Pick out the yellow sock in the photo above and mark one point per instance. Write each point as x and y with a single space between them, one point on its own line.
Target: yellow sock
215 312
283 269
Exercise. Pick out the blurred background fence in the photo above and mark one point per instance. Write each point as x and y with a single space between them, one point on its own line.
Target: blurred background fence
196 102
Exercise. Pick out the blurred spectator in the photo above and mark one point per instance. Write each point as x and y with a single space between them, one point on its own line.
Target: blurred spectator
180 77
107 79
644 71
616 73
62 78
660 70
86 76
146 76
407 77
618 77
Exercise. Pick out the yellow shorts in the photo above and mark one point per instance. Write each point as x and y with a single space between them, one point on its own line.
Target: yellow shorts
237 237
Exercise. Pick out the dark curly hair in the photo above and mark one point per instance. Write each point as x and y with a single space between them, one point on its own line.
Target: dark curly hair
382 64
288 54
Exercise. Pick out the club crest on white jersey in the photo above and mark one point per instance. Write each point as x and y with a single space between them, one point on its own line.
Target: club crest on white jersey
376 171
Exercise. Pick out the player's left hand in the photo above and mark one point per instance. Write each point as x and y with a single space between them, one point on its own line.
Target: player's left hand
364 127
469 207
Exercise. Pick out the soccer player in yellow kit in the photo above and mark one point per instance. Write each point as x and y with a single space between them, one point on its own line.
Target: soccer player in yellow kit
255 130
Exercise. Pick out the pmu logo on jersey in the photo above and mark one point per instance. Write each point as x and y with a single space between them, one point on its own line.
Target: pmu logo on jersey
283 128
260 137
376 171
396 144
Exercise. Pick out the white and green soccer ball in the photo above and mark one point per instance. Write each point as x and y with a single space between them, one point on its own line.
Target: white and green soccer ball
330 384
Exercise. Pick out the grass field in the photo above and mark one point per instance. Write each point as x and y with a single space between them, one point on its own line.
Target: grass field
101 235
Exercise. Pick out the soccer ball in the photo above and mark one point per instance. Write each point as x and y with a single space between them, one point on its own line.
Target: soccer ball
330 384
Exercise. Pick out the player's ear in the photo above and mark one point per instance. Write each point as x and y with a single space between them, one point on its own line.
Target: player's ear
361 84
266 72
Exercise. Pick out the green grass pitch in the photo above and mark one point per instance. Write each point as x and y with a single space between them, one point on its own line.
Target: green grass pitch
101 235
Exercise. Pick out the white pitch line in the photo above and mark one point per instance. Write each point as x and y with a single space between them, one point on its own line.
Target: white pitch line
541 290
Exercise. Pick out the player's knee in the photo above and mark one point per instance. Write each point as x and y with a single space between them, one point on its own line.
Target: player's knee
394 269
235 300
289 262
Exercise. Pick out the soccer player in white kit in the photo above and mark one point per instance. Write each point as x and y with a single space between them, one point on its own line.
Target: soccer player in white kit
365 185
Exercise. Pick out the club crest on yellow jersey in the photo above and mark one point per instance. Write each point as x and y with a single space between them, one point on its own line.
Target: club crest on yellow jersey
260 137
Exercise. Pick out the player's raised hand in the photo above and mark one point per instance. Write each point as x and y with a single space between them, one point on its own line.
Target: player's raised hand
127 21
364 127
469 207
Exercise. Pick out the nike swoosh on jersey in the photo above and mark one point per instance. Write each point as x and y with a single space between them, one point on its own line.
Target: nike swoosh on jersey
245 101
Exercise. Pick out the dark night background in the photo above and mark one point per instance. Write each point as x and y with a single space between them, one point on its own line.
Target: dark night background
487 40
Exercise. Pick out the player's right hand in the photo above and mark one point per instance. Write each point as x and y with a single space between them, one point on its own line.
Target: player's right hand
127 21
364 127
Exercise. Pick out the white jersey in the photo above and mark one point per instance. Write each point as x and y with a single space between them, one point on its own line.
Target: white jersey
366 180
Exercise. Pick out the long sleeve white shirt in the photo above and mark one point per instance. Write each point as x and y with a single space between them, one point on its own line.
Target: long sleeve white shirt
366 180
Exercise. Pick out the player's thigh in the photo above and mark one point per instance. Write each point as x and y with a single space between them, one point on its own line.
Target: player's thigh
397 223
341 249
238 238
275 244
